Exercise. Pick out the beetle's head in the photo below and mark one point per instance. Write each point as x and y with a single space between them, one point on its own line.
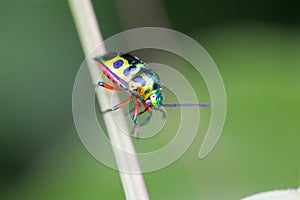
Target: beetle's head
155 100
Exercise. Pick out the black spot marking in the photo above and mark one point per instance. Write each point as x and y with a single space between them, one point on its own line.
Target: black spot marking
128 70
131 60
155 86
140 80
147 91
118 63
149 75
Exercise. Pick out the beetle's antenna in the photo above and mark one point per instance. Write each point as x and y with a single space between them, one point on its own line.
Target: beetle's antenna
186 105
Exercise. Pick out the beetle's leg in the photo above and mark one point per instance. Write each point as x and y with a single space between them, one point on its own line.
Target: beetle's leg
137 127
146 109
107 86
131 111
123 103
146 106
162 112
136 110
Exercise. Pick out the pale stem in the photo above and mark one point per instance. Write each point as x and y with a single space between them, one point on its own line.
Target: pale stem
90 37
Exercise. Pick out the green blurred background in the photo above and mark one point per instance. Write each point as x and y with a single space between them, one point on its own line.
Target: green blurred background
256 45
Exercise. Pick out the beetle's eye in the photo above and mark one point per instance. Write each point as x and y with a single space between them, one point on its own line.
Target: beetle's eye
148 102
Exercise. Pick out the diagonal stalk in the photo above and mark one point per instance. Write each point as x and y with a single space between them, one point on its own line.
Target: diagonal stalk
90 36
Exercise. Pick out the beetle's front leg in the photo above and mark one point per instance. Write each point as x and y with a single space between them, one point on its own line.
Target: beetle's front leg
138 126
116 107
107 86
136 110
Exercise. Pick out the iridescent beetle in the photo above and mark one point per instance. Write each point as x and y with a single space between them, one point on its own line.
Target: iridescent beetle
131 75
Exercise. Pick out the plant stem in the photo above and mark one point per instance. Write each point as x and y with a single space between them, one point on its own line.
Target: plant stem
90 36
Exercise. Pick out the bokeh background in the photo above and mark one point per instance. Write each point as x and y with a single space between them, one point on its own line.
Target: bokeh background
256 45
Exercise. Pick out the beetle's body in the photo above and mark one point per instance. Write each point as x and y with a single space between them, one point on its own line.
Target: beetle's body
131 75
